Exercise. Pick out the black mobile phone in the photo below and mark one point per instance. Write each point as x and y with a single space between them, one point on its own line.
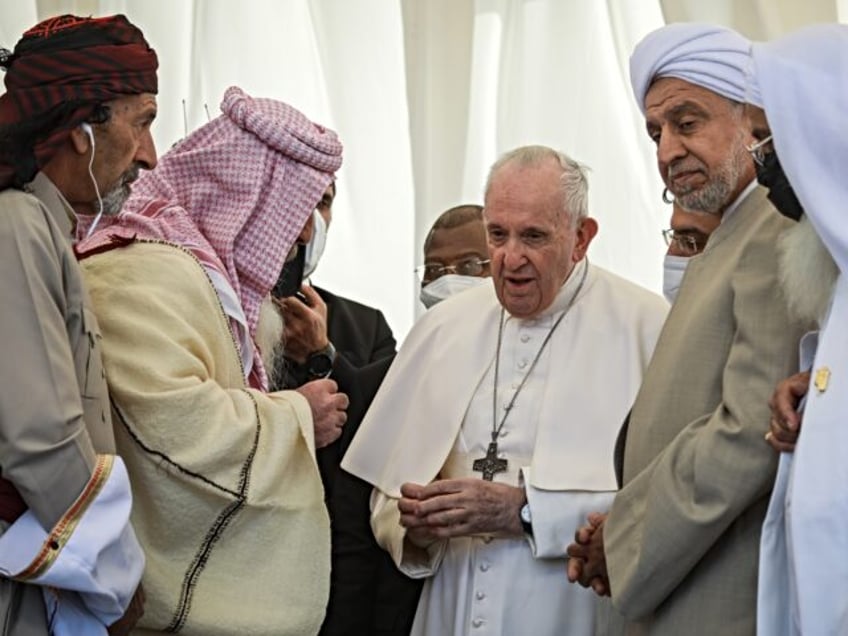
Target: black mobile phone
291 277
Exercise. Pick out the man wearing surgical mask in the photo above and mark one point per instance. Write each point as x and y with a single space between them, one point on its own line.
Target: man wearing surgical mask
455 254
686 238
327 335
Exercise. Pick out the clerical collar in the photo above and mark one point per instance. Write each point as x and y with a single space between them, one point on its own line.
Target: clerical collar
562 300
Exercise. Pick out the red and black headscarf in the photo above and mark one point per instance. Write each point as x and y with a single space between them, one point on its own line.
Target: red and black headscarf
69 59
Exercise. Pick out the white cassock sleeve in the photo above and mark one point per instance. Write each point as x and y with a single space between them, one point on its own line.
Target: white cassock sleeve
90 563
557 514
415 562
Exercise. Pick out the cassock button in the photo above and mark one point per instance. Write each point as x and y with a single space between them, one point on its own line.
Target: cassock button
522 364
480 596
504 433
477 622
484 567
525 337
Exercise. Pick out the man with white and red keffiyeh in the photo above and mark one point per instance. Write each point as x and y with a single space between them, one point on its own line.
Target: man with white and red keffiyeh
229 505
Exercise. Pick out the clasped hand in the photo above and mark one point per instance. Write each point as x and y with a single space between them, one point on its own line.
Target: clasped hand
586 560
449 508
785 423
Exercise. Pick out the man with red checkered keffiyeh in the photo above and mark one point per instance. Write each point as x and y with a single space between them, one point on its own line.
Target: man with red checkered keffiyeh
229 508
74 133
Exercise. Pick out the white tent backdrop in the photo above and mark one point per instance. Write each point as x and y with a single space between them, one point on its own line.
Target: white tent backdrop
425 94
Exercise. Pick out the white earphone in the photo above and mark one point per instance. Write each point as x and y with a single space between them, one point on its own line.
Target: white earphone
86 128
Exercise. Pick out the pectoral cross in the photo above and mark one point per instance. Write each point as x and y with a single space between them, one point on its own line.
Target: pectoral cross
491 463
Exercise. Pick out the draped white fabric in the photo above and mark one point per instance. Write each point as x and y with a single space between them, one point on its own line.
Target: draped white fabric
425 94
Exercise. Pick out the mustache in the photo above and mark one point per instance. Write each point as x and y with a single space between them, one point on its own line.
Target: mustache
679 167
131 174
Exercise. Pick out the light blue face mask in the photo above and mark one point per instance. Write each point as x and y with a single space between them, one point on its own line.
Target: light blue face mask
315 247
446 286
674 267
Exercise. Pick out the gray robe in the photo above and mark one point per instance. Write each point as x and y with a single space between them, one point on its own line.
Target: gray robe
54 409
682 537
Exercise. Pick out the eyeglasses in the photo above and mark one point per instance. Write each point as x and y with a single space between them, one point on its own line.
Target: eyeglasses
760 149
469 267
687 243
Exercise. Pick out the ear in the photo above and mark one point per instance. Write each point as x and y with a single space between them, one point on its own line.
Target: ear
80 141
586 230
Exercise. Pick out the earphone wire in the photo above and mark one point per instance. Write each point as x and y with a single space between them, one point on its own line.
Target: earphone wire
96 188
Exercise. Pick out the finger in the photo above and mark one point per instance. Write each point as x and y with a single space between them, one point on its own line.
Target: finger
782 435
407 505
412 521
782 447
328 385
598 586
312 297
294 309
596 518
584 534
411 490
574 570
577 551
341 400
443 487
433 505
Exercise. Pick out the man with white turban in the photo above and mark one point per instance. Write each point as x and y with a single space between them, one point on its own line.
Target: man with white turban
678 550
800 82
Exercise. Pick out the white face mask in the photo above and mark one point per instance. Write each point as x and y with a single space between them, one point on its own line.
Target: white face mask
446 286
673 269
315 247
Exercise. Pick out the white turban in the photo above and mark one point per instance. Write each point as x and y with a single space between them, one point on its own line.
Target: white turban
710 56
802 79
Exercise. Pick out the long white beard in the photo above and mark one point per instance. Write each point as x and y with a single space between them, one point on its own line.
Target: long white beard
807 272
269 338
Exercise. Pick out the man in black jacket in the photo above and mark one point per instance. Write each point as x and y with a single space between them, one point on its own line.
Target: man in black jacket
331 336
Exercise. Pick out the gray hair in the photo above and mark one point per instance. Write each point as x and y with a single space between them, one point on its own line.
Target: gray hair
575 185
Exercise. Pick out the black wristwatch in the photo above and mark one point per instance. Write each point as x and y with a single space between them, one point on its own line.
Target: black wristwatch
319 364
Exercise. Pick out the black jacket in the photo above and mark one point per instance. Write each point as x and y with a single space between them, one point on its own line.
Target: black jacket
368 594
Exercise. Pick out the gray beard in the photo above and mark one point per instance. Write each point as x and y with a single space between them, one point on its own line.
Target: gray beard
269 339
807 272
713 197
115 198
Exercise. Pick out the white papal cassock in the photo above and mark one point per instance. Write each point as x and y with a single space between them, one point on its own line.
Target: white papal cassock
433 417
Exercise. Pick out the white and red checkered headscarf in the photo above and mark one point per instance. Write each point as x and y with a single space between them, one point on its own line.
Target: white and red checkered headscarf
236 192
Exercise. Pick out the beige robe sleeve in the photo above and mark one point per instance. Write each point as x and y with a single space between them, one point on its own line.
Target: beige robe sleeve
664 521
45 450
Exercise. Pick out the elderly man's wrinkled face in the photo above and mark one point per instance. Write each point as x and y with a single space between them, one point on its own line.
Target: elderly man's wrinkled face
701 141
533 245
124 146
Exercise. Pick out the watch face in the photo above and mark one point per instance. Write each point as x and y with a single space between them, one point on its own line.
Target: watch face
525 513
319 365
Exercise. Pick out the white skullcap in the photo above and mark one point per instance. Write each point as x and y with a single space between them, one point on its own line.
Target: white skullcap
803 83
710 56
